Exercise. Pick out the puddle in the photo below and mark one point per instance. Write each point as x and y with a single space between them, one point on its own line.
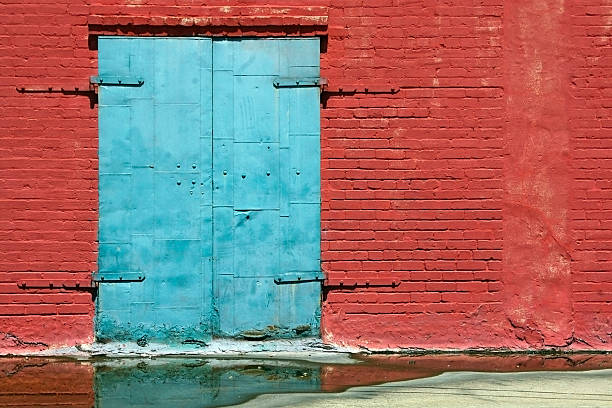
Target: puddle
206 382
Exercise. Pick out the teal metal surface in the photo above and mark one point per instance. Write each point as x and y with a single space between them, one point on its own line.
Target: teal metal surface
155 173
266 197
210 219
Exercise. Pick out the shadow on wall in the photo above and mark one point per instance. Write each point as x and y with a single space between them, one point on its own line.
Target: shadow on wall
198 382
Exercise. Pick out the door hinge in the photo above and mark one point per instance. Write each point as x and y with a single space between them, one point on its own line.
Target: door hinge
283 280
86 285
348 284
291 82
116 81
338 284
118 277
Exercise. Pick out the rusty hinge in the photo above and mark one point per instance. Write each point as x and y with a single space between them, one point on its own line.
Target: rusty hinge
94 83
86 285
350 90
304 82
349 284
344 284
299 277
90 285
295 82
118 277
87 91
116 81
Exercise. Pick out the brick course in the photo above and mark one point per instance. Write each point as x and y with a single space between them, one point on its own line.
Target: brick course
483 185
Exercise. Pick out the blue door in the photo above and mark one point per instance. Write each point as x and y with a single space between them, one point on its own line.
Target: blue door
209 188
266 197
155 189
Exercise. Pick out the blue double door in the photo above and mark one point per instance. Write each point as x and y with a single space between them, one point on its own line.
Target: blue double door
209 188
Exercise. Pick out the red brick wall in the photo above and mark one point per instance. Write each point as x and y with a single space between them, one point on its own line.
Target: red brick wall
590 213
48 173
413 182
483 185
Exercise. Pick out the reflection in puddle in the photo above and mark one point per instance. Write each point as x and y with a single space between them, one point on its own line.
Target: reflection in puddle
202 382
198 383
38 382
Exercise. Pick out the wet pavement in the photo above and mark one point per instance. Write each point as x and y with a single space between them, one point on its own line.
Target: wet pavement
381 380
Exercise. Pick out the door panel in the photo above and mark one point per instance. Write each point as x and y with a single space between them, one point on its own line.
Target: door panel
153 219
177 205
301 240
115 209
209 187
177 136
256 305
262 136
256 176
256 243
223 173
255 57
143 210
142 132
304 184
175 261
255 109
178 62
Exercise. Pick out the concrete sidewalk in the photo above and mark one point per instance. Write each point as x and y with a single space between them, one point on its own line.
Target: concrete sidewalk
466 390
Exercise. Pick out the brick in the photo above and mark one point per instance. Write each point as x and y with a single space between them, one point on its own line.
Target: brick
420 182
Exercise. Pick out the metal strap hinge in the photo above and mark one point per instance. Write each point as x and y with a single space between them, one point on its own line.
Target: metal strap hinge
292 82
339 284
348 284
58 284
90 285
290 278
116 81
118 277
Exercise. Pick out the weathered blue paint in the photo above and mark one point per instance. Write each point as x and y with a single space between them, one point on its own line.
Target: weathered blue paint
266 197
155 181
210 219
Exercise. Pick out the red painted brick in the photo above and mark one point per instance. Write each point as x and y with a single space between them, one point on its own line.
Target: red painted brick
485 181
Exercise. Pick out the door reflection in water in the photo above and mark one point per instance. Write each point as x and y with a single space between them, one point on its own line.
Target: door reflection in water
206 382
